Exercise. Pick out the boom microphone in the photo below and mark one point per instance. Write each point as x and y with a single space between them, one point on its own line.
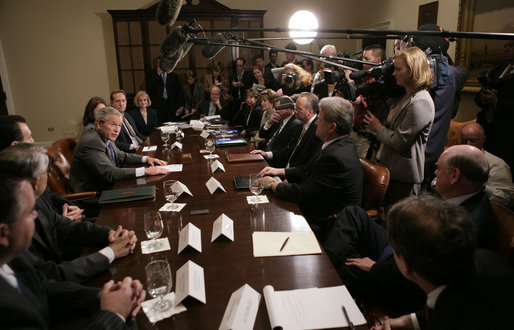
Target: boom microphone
209 51
168 63
175 40
167 11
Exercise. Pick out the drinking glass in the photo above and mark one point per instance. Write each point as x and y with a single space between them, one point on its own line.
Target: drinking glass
165 136
159 282
256 186
210 145
171 192
179 134
224 131
153 228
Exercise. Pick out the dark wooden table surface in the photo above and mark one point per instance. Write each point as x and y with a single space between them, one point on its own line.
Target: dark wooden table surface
227 265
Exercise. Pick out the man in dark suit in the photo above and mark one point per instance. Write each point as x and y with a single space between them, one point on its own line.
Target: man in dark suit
28 299
96 163
55 236
332 179
374 277
241 80
166 93
13 130
215 106
434 246
282 131
129 139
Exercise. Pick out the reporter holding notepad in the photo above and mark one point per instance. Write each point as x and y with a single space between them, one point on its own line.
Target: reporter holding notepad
97 162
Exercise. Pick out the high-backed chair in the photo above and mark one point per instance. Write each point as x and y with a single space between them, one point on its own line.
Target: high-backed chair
505 220
59 175
376 181
453 136
66 147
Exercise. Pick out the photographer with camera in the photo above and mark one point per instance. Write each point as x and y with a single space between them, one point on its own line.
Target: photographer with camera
404 134
295 80
496 99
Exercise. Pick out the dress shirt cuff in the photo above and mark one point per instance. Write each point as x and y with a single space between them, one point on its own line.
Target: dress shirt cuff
415 323
266 126
133 147
269 154
140 171
143 160
108 253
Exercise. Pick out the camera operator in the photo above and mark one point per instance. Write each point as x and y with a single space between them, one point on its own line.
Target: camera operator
375 102
328 79
295 80
496 99
327 50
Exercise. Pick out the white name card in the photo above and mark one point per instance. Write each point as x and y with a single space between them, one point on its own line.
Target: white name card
213 184
181 188
149 148
242 309
176 145
217 165
191 236
223 226
205 134
190 283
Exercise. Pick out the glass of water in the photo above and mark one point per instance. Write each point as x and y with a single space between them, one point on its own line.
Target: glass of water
256 186
153 228
179 134
159 282
224 131
210 145
165 136
171 191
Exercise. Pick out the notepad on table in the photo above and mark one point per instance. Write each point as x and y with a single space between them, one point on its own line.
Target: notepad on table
268 244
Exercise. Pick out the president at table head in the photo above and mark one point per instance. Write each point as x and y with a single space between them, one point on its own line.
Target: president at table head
97 163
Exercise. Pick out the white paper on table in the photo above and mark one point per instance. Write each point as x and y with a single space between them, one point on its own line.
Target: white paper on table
181 188
313 308
211 117
154 316
168 129
191 236
215 165
164 245
205 134
174 167
176 144
259 199
242 309
190 282
223 225
213 184
213 156
149 148
267 244
172 207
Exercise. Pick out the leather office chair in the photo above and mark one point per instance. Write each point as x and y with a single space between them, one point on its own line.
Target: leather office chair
66 146
453 136
375 183
505 220
59 175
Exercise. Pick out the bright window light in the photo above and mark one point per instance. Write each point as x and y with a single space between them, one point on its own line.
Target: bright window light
303 22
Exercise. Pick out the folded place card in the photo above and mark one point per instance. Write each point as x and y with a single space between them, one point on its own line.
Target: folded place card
217 165
162 244
259 199
174 167
213 184
155 316
213 156
172 207
176 145
191 236
149 148
205 134
242 309
190 283
223 226
180 187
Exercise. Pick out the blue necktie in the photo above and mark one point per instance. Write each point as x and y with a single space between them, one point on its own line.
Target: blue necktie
112 153
164 92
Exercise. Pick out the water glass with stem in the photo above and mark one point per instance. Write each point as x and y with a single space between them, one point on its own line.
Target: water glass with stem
159 282
153 228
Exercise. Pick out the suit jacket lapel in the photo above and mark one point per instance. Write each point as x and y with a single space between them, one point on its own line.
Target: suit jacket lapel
402 107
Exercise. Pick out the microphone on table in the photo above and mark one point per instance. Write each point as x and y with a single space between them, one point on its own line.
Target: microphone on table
209 51
167 11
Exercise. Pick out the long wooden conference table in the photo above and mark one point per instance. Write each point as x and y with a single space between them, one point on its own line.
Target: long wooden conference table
227 265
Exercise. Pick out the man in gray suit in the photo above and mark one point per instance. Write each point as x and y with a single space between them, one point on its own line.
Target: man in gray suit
96 163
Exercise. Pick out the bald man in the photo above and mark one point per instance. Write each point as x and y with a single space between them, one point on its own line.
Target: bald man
499 186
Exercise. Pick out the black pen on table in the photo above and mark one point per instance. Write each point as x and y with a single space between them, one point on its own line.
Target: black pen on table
350 323
284 244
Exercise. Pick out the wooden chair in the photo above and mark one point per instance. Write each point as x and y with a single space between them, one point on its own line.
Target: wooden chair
505 220
375 183
453 136
66 147
60 174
